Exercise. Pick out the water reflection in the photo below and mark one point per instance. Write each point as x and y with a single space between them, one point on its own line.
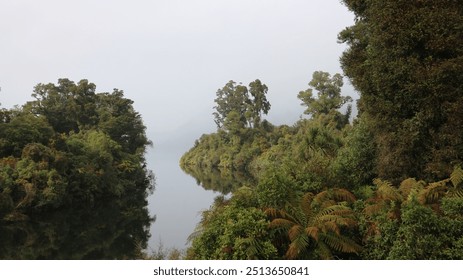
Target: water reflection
221 180
106 231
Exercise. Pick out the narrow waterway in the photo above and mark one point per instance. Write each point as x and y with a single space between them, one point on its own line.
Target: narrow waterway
177 200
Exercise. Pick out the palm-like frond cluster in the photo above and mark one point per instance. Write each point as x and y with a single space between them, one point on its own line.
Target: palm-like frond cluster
390 200
321 225
317 224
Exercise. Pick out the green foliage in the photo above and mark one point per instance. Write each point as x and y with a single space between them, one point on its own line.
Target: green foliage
457 176
67 106
306 155
233 230
415 221
21 128
73 153
276 189
328 100
408 70
226 150
235 109
316 225
219 179
259 103
355 162
416 236
306 152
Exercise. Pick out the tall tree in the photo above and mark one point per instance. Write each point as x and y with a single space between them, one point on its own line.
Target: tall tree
235 108
259 103
328 100
409 71
231 98
67 106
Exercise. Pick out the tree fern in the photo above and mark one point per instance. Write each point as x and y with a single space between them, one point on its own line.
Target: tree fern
315 217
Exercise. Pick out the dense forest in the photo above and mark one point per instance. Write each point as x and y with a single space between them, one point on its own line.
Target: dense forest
386 184
73 179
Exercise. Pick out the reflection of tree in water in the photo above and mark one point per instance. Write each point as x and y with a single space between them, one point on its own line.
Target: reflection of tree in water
221 180
107 231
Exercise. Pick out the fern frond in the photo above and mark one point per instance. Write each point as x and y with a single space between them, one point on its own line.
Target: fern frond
298 246
331 226
15 216
327 203
312 232
293 251
341 243
279 222
295 231
253 247
457 176
306 203
410 184
308 197
433 192
386 191
343 195
272 212
378 183
339 220
346 212
374 209
456 193
199 229
337 209
333 196
324 251
321 197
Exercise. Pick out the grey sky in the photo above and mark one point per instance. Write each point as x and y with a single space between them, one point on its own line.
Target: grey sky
170 56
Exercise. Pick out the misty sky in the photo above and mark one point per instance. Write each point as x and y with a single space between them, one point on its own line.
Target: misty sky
171 56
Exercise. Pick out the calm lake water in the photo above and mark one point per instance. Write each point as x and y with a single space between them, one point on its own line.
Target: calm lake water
177 200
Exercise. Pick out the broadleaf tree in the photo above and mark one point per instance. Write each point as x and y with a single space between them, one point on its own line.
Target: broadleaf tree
408 70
